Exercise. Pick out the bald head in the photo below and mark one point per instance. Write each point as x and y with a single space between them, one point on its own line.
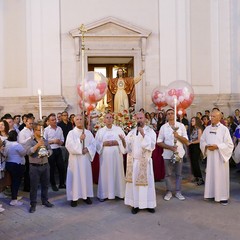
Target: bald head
216 116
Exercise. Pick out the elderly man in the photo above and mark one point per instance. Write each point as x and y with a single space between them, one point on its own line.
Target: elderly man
111 181
82 148
216 144
140 187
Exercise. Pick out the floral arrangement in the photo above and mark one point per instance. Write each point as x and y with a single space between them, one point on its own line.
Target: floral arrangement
126 120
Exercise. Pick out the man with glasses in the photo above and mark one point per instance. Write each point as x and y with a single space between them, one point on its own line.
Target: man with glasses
166 141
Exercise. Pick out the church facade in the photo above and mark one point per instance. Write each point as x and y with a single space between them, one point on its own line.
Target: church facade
41 48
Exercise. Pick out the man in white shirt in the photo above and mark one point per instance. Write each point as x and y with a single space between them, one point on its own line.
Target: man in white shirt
54 135
24 135
166 141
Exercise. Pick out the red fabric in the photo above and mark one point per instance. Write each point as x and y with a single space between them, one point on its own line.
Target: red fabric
158 165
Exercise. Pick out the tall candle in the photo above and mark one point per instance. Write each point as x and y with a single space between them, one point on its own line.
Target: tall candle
175 112
40 104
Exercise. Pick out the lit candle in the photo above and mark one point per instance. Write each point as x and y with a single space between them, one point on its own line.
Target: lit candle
175 112
40 104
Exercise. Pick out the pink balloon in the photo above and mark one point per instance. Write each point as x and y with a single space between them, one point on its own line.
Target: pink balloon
172 92
95 87
179 92
88 106
102 87
183 91
158 97
80 93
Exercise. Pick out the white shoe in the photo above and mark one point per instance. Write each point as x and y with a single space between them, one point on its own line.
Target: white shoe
179 196
168 196
19 197
16 203
1 209
2 195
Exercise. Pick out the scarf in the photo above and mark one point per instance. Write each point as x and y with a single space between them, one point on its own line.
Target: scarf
141 179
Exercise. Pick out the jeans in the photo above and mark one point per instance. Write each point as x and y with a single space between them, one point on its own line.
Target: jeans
169 168
16 172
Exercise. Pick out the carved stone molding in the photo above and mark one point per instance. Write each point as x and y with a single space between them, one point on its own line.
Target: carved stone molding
112 37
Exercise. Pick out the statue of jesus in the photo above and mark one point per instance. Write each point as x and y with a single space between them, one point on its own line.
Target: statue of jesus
121 91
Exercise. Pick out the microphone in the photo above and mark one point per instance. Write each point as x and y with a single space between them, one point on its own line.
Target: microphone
138 125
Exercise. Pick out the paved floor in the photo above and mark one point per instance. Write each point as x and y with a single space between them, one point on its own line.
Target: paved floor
191 219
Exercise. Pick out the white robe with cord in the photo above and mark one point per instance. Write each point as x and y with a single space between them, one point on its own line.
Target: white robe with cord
79 182
217 172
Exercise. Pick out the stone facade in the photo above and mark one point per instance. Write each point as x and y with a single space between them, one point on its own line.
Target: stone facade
196 41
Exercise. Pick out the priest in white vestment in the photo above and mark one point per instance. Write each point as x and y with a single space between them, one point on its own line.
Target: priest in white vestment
111 182
216 144
81 146
140 188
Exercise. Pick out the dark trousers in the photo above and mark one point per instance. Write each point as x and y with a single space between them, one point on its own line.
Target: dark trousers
16 172
56 160
65 155
26 179
194 152
39 175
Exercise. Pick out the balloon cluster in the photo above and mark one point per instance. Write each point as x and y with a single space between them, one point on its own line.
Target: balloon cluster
180 90
159 97
92 90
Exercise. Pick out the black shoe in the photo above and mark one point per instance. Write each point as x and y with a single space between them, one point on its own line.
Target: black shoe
151 210
74 203
88 200
209 199
47 204
118 198
32 209
101 199
135 210
54 188
63 186
194 180
200 182
224 202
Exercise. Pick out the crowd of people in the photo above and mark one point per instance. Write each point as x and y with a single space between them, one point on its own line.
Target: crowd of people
33 151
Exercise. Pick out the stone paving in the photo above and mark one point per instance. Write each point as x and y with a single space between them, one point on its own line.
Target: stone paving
192 219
